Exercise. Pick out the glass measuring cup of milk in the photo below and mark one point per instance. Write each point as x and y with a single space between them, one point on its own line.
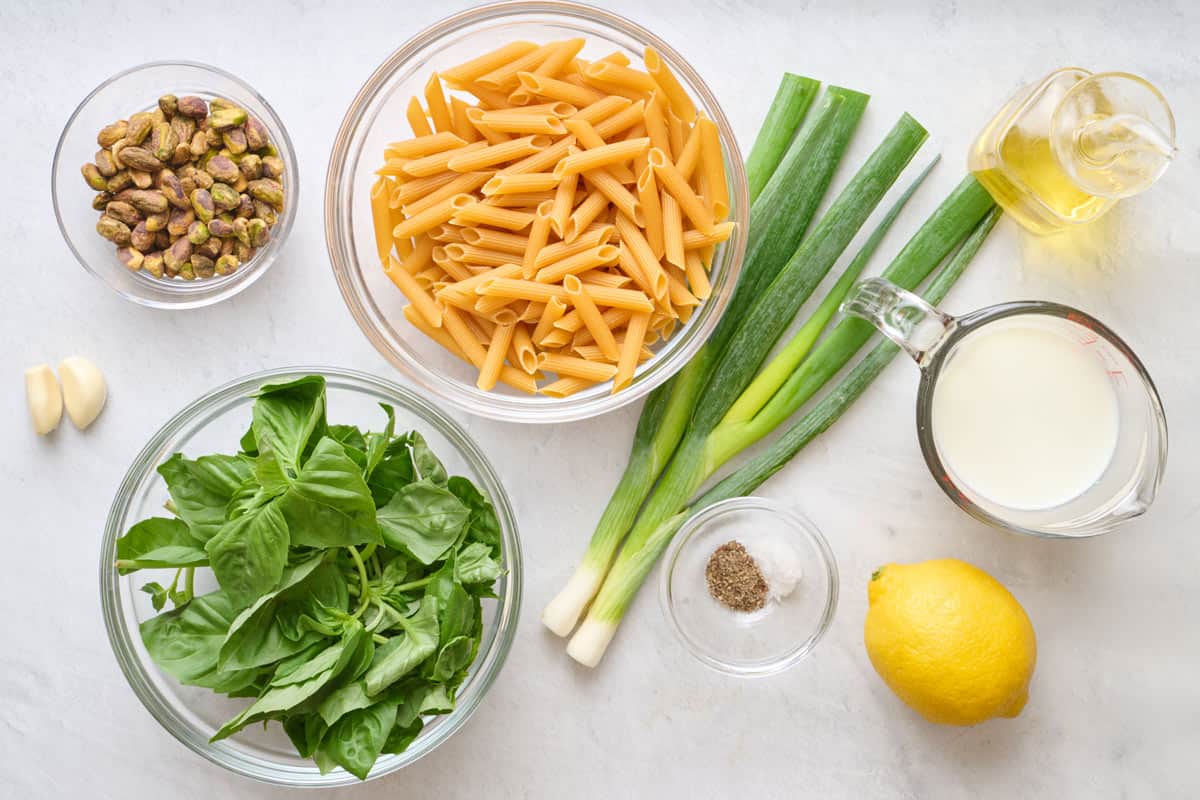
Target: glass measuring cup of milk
1032 416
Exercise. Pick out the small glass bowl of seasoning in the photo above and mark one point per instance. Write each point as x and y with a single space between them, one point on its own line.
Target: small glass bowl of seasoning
79 201
749 586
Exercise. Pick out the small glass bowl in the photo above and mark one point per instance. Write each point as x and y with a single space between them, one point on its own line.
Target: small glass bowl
377 116
128 92
758 643
214 423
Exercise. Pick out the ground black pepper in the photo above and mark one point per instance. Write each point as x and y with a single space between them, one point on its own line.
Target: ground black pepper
734 580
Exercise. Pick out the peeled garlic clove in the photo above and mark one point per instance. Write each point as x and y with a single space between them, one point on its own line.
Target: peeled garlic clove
44 398
83 390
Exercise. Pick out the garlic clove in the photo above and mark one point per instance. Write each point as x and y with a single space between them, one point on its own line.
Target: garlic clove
44 397
83 390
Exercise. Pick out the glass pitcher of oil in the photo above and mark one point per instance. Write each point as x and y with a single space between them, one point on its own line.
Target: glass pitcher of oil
1065 149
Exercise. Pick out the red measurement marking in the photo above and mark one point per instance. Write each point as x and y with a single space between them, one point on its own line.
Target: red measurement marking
946 480
1079 319
1118 376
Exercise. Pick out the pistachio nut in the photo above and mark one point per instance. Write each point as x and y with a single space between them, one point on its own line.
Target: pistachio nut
140 158
258 231
111 134
268 191
245 207
241 230
179 252
148 201
226 264
169 104
153 263
172 189
222 169
91 174
250 165
212 138
157 222
204 266
186 271
256 134
272 167
119 209
221 228
163 141
188 184
180 220
141 237
139 127
192 106
235 140
197 233
227 246
223 119
224 197
113 229
122 180
199 144
183 154
202 179
243 252
101 200
211 248
142 180
264 212
105 163
202 204
218 103
162 240
130 257
183 128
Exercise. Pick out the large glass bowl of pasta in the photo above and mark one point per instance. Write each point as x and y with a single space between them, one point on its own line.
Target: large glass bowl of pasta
536 211
214 423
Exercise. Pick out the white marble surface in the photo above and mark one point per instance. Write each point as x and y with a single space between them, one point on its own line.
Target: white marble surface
1115 709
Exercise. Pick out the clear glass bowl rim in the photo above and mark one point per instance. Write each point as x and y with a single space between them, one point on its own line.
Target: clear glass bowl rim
199 413
339 232
801 525
193 294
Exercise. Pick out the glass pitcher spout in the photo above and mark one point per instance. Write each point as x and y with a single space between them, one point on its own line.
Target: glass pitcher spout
901 316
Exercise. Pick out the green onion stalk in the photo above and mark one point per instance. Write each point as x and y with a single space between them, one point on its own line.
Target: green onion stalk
779 219
715 435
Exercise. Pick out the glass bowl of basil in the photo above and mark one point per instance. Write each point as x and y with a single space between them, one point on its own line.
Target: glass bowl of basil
311 576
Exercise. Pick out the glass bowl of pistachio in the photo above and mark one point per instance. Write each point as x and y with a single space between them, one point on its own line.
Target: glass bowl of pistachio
175 183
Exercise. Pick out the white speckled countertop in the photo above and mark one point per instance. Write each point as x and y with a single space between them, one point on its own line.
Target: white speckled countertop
1115 709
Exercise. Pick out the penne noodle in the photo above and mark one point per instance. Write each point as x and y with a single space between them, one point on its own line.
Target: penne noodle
460 123
591 237
489 372
531 290
713 164
446 234
656 124
491 135
416 295
540 161
393 167
523 182
523 352
695 240
697 276
381 218
675 183
477 67
676 129
564 52
602 109
649 270
494 240
552 313
539 234
618 75
555 89
583 215
532 312
488 98
480 214
439 162
689 155
622 120
525 200
487 307
504 78
601 278
613 318
679 100
672 230
428 278
564 202
470 254
586 135
556 339
580 297
435 100
631 350
679 295
652 212
426 145
416 118
522 122
439 335
490 155
603 255
458 184
565 387
574 367
421 256
433 216
603 181
467 287
413 190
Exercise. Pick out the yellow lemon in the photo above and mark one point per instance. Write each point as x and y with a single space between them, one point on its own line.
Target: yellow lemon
950 640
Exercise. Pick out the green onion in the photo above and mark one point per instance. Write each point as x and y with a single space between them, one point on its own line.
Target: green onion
792 99
778 222
699 455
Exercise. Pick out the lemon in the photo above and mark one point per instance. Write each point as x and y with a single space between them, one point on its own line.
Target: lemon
950 641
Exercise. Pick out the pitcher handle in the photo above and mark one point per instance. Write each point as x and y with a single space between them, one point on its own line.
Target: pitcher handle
901 316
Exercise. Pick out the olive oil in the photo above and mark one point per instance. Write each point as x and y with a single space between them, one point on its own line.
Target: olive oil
1063 151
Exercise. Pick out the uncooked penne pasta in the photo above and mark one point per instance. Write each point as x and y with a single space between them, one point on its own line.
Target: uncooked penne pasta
583 215
470 254
417 119
413 190
602 109
555 339
524 182
426 145
524 354
433 216
435 101
652 214
555 89
575 367
672 230
480 214
600 157
565 387
619 75
674 182
564 203
714 166
539 234
504 78
489 373
621 121
563 53
522 122
494 240
416 295
493 136
460 123
477 67
697 276
490 155
521 200
434 163
381 217
649 266
591 237
656 124
603 181
680 102
630 351
695 240
552 313
556 271
458 184
581 298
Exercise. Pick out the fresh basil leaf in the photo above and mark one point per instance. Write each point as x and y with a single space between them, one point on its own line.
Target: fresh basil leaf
454 656
429 468
393 471
157 543
328 503
289 419
158 595
269 629
484 524
306 732
249 553
350 697
402 654
248 445
438 700
185 642
348 435
357 739
474 564
424 520
455 611
402 736
375 444
248 497
201 489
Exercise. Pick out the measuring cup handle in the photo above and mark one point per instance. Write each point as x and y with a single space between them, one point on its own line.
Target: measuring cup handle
899 315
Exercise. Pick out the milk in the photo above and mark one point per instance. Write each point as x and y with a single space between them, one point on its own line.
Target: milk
1024 414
